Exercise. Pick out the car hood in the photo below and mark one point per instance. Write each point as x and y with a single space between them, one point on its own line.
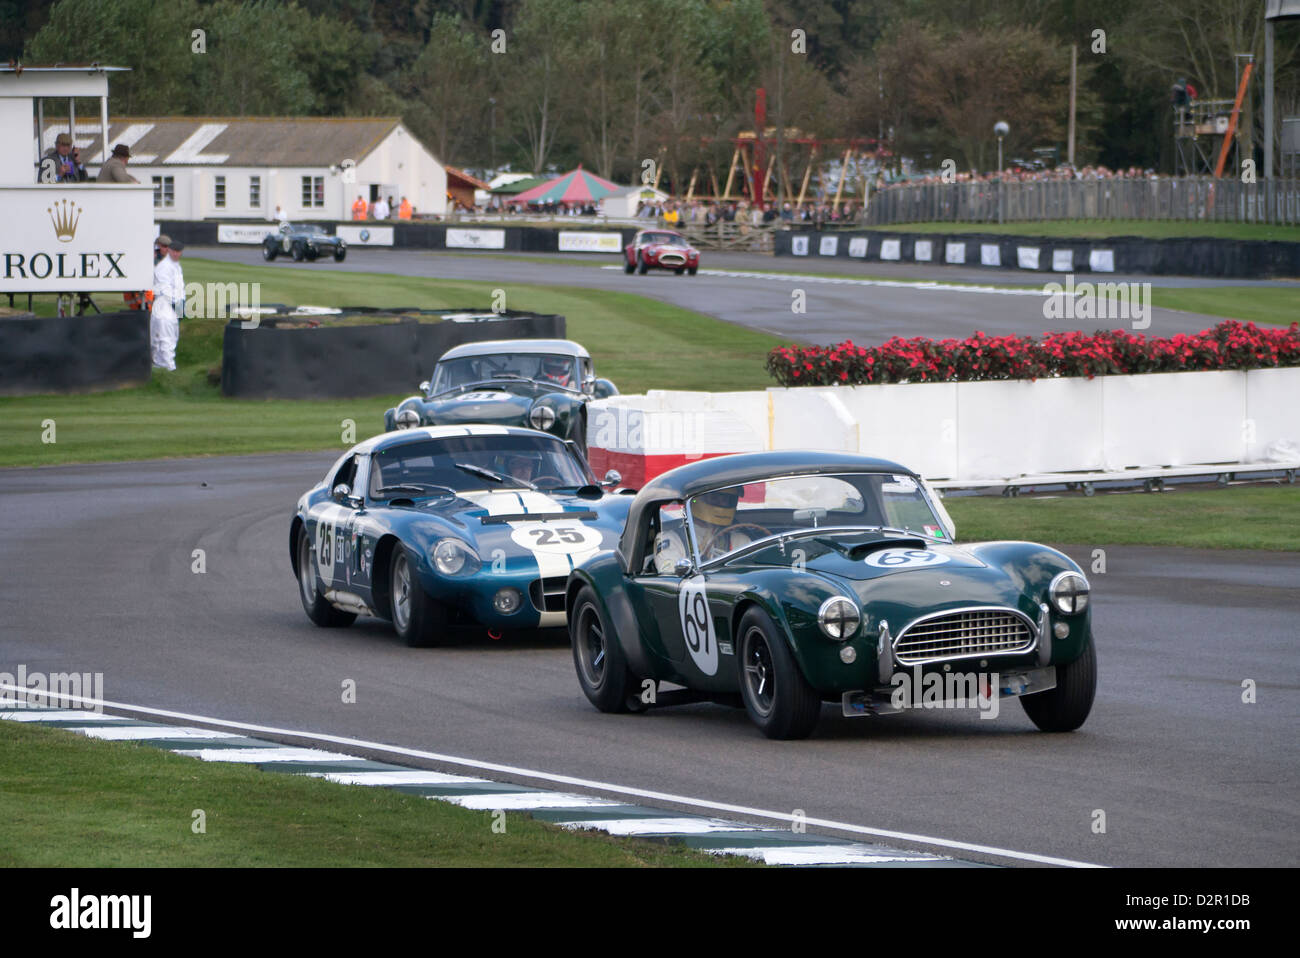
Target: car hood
484 405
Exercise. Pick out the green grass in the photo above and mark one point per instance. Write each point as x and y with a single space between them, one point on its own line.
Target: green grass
1242 517
1104 229
1275 305
67 801
636 342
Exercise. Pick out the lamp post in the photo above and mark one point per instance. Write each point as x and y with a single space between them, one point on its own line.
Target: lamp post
1000 129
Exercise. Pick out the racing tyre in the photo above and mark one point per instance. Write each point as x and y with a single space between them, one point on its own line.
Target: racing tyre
297 252
629 267
598 658
417 619
313 603
692 270
340 255
679 270
643 267
1064 708
268 252
777 697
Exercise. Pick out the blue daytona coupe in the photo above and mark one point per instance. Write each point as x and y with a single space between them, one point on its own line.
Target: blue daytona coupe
445 527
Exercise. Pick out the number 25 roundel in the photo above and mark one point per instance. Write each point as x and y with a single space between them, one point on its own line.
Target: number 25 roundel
697 625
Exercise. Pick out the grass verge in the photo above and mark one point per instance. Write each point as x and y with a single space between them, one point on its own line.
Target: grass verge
1242 517
639 343
68 801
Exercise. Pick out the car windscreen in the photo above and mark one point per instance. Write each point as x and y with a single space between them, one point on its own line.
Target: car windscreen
668 238
727 519
550 368
466 463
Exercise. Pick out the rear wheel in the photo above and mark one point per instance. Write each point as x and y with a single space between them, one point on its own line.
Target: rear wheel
298 252
1066 707
340 255
777 697
417 619
313 603
598 658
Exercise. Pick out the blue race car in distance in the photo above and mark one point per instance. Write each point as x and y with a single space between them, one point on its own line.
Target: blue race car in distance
539 383
451 526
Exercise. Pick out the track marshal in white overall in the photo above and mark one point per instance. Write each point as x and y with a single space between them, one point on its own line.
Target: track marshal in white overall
168 304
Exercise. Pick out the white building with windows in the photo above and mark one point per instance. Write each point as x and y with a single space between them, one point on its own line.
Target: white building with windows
243 167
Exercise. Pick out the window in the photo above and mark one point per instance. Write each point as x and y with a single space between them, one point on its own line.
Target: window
164 191
313 191
219 192
255 191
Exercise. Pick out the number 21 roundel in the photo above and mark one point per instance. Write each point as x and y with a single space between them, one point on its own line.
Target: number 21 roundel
697 625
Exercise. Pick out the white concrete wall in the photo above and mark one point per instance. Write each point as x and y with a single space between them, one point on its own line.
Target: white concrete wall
402 162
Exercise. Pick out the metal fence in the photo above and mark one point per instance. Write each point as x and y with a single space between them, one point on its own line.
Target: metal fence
1200 198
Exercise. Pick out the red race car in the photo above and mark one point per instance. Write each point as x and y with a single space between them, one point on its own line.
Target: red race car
660 249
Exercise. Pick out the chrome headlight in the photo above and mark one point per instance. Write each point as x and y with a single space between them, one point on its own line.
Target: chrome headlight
453 557
541 417
1069 593
839 618
407 419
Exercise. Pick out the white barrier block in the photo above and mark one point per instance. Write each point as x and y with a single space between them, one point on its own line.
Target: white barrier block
858 247
812 417
1063 260
922 251
914 424
1027 257
954 252
1101 260
990 254
1173 419
1014 428
829 246
891 249
1272 412
799 245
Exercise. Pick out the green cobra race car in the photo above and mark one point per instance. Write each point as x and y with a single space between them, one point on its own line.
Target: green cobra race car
782 580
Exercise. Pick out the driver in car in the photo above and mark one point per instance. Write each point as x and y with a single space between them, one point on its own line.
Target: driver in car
716 531
525 466
558 370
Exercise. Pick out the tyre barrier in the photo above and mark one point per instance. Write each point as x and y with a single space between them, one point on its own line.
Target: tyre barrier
68 354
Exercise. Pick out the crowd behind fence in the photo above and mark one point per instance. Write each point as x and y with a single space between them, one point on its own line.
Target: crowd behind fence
1199 198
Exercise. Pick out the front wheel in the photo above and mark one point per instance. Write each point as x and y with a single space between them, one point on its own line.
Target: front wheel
340 255
692 270
1066 707
417 619
644 265
269 252
629 267
777 697
313 603
298 252
598 658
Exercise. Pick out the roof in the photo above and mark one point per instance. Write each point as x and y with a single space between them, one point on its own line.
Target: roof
492 347
705 474
454 173
311 141
400 437
518 186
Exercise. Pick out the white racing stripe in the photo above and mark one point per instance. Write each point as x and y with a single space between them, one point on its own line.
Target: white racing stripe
576 782
660 826
396 778
136 733
57 715
818 855
888 283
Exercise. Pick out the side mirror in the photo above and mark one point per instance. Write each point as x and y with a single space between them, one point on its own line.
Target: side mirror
683 567
343 493
612 478
589 385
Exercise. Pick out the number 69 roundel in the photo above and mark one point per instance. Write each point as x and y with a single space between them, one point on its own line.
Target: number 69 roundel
697 625
905 559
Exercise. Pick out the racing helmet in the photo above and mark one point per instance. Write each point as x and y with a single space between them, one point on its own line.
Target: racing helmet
557 368
521 463
717 508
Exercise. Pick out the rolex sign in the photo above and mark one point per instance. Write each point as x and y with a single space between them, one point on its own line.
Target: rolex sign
76 238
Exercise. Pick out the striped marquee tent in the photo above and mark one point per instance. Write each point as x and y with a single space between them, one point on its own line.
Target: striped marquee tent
576 186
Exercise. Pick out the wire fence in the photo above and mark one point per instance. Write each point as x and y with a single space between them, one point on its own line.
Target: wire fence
1199 198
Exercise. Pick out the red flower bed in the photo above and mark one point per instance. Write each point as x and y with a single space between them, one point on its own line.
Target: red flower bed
1229 345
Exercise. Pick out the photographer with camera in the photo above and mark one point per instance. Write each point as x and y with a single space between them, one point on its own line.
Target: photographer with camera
67 161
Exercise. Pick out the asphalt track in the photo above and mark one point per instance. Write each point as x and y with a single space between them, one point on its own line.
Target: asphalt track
98 577
740 288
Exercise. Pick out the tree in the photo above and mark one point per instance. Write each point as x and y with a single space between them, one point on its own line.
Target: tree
447 88
536 90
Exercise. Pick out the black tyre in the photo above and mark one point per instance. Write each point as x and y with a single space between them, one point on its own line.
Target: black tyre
692 270
417 619
340 255
679 270
313 603
629 267
269 252
642 266
1066 707
598 658
579 434
298 252
777 697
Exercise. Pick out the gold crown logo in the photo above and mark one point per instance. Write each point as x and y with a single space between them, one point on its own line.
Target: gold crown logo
64 215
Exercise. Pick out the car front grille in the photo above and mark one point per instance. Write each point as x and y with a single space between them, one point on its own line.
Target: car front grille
548 594
967 633
671 259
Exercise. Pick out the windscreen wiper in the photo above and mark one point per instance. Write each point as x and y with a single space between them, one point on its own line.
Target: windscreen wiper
493 476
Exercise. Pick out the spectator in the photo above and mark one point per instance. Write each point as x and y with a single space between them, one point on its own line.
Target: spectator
114 170
381 209
168 305
161 247
360 207
67 160
281 216
404 211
